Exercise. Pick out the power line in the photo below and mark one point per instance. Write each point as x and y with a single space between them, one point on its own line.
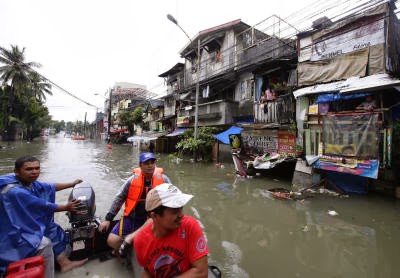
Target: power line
277 45
55 84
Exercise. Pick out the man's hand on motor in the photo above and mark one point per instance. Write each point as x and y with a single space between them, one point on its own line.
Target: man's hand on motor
77 181
73 205
103 227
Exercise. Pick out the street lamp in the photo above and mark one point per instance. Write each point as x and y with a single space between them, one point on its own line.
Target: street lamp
196 109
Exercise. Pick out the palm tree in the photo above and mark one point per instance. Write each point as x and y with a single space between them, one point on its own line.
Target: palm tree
15 73
39 87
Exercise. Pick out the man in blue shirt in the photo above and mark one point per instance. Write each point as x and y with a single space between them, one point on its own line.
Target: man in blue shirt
27 227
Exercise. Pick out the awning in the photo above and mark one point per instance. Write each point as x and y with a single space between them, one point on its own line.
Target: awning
140 138
146 136
224 136
184 96
118 131
352 84
336 97
177 132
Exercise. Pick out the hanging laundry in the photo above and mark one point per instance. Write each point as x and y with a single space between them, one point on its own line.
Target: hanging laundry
259 83
206 91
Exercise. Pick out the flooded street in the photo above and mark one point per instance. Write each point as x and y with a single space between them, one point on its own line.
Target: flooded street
249 234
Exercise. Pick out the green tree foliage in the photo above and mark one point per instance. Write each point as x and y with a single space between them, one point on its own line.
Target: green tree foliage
126 119
22 94
31 115
200 147
138 115
130 119
69 126
77 127
58 125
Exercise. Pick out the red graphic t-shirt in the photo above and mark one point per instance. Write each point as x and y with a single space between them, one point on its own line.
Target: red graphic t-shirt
172 255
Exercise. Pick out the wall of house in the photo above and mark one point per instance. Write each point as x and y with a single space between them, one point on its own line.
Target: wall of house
209 65
244 87
226 110
353 47
215 113
244 94
169 106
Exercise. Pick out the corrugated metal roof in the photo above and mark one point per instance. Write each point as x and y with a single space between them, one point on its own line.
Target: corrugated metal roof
119 94
352 84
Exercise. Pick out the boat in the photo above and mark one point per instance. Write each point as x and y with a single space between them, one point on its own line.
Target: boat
88 242
78 137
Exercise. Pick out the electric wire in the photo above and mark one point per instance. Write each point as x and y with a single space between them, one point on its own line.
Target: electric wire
322 9
382 17
204 63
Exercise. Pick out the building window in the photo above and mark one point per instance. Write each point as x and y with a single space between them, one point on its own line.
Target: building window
246 89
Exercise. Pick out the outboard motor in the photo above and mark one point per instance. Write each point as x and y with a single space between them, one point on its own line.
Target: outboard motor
83 192
83 232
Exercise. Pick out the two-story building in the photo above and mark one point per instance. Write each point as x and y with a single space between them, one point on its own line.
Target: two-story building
265 67
125 97
244 78
348 96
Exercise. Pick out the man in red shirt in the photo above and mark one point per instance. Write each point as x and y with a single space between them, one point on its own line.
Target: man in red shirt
173 244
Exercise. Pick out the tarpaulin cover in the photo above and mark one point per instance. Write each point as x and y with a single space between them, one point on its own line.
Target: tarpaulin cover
336 97
177 132
348 183
118 131
363 168
224 136
351 135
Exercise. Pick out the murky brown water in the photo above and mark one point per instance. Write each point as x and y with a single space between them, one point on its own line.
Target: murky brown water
249 234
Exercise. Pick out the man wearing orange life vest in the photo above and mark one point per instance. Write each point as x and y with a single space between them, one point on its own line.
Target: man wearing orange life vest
133 193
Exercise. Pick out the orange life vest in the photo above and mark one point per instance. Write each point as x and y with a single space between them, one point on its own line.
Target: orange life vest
137 185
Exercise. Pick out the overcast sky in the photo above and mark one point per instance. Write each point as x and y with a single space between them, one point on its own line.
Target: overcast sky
85 46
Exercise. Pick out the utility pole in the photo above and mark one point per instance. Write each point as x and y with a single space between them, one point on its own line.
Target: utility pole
97 123
84 126
109 114
196 108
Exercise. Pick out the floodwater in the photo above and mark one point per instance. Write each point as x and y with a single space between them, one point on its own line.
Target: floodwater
249 233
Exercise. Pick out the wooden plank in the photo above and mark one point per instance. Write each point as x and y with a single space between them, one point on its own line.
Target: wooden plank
384 148
307 137
301 166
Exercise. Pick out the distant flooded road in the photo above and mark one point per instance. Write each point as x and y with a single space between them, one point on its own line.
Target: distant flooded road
249 234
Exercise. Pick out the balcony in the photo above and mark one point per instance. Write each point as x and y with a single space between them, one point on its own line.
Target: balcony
210 68
280 111
215 113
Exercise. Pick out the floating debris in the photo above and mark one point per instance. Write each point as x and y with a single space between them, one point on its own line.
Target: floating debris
332 213
305 228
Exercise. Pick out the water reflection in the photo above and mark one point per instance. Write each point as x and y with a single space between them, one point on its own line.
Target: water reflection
249 233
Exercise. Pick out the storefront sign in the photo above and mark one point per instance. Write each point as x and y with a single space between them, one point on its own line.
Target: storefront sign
182 120
260 141
362 37
286 143
364 168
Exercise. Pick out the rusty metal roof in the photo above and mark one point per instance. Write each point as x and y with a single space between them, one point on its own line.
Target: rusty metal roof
119 94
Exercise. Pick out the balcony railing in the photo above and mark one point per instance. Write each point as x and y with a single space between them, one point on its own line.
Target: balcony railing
219 112
210 67
280 111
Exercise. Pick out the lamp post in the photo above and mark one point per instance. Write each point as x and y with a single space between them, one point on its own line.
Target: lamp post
196 108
